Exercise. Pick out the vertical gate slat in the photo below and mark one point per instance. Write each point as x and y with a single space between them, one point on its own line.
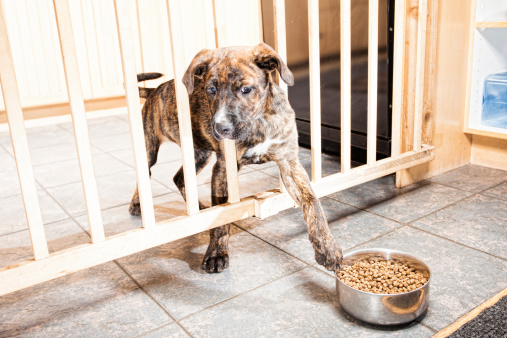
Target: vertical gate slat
20 144
419 79
345 83
231 165
134 109
398 74
280 47
229 146
372 81
75 93
182 99
315 120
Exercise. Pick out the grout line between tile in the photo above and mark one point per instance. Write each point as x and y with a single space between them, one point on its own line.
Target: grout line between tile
45 224
492 187
166 325
368 211
400 222
271 244
66 211
243 293
455 242
426 326
375 238
409 224
96 176
119 159
472 192
59 125
447 206
153 299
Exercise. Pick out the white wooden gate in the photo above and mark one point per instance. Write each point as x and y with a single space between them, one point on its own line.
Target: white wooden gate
101 249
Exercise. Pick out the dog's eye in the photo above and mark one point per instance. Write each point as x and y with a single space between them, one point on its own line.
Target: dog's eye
246 90
212 90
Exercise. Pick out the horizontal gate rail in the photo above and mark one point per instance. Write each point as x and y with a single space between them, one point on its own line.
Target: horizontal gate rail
19 276
270 203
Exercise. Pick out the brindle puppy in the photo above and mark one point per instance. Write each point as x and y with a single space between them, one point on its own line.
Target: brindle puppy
232 96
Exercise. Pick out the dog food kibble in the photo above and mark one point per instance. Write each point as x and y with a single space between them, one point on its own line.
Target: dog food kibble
381 277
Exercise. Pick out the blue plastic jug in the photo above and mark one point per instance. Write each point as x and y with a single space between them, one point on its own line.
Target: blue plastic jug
494 101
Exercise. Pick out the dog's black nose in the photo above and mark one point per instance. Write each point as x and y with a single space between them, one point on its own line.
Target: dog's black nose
224 128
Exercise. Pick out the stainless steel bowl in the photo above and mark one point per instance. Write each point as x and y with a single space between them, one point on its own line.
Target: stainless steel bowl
384 309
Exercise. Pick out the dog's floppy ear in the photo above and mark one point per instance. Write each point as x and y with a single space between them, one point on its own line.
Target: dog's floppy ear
267 59
198 67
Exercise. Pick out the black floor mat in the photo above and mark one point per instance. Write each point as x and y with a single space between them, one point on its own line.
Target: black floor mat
492 322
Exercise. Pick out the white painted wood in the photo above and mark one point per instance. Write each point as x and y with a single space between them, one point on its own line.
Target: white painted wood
20 144
35 51
185 124
372 81
237 22
314 63
345 83
491 10
134 108
75 93
398 74
419 80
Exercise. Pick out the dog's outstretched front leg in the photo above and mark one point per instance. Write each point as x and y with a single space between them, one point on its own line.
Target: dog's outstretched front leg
216 258
327 251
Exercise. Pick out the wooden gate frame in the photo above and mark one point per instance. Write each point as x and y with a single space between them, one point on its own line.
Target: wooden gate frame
101 249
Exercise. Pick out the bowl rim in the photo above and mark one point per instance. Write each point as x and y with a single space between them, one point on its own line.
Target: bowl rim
389 251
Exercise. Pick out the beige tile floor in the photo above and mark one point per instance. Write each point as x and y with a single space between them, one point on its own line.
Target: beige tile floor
456 222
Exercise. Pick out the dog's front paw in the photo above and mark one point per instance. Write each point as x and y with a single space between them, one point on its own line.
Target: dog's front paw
135 209
214 263
328 253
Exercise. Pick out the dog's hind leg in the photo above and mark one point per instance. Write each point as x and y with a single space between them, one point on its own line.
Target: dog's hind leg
216 258
152 146
202 158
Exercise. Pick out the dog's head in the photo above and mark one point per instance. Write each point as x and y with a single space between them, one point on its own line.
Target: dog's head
236 81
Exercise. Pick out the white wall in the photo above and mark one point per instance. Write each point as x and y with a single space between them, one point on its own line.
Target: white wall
36 51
